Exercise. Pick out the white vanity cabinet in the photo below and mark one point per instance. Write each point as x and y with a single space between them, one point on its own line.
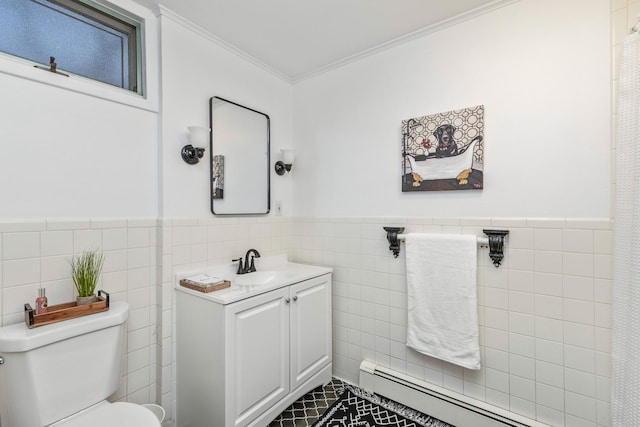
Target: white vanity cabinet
310 329
242 363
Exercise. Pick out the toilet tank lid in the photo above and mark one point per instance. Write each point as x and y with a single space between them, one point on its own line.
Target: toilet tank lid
19 338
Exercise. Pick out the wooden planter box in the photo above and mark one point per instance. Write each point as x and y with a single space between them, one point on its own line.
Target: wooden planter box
66 311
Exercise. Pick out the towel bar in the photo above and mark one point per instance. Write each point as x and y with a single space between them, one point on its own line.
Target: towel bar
494 240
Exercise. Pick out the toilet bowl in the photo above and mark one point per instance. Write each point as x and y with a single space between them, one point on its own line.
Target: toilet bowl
61 374
119 414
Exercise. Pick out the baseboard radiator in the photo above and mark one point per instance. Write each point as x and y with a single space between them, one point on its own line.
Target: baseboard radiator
446 405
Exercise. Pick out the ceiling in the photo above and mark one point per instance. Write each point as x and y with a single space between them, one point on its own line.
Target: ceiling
298 38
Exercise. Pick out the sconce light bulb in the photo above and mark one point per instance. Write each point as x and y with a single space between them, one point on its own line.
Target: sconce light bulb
288 156
198 136
284 166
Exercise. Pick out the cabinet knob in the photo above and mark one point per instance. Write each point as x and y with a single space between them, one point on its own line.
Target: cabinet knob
295 298
287 300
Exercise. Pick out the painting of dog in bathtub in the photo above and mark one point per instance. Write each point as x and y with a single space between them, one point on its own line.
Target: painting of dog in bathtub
444 151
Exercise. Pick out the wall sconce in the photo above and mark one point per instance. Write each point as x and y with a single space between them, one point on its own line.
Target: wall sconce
285 164
198 137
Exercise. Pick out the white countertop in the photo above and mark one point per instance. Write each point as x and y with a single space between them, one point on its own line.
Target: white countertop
288 273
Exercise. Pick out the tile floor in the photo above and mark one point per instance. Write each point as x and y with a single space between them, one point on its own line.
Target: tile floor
306 410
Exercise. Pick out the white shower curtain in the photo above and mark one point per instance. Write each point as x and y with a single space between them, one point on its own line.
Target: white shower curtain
625 404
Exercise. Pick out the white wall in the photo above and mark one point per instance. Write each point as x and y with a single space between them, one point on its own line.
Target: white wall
196 67
79 166
66 154
75 148
541 68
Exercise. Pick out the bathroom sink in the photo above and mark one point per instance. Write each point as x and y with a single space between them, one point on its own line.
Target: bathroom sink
258 278
273 272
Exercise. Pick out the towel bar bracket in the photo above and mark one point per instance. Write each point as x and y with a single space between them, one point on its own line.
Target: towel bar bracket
392 237
495 240
496 245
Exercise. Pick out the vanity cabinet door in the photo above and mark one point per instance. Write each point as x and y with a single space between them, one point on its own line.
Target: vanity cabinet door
310 328
257 355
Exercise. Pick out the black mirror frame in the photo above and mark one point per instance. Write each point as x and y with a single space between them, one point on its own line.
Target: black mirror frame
211 161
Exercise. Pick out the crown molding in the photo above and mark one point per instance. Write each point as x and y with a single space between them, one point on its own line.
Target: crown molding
439 26
165 12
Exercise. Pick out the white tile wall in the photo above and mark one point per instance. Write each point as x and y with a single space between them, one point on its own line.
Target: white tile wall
36 254
544 314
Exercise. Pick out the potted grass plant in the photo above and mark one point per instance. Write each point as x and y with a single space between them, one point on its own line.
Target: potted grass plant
85 271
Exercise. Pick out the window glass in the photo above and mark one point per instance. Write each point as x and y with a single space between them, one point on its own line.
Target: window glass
82 39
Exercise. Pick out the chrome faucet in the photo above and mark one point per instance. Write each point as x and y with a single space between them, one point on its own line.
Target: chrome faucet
247 268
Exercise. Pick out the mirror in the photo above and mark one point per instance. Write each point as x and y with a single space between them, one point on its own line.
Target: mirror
239 153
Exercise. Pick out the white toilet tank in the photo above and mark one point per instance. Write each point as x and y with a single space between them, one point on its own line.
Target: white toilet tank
54 371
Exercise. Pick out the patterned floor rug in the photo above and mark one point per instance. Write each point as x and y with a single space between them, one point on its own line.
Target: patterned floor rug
356 407
306 410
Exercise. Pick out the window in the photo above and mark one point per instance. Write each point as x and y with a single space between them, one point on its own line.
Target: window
84 39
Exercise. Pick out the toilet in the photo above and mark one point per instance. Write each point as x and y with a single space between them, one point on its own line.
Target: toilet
61 374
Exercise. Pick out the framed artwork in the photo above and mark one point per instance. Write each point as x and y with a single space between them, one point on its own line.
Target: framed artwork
444 151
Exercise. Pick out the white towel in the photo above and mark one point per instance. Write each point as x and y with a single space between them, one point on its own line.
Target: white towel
443 297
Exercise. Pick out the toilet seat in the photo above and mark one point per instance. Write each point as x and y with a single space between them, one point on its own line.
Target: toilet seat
119 414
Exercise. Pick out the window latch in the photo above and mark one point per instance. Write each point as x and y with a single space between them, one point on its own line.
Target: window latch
53 67
52 64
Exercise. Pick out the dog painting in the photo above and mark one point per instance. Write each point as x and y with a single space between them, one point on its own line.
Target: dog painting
444 151
446 143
